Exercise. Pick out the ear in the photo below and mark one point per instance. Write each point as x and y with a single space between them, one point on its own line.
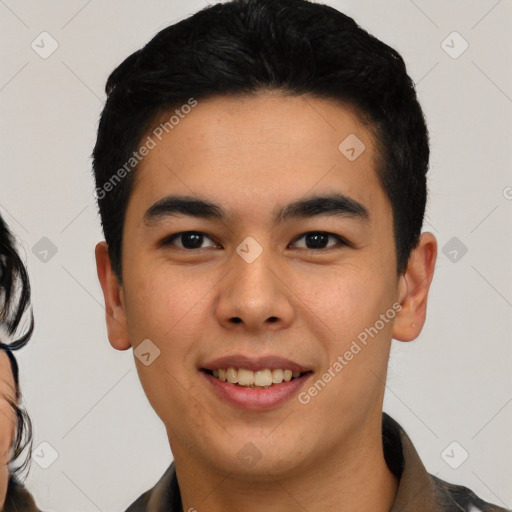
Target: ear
413 288
114 299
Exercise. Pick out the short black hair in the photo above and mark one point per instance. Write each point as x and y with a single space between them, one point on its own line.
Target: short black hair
14 303
244 47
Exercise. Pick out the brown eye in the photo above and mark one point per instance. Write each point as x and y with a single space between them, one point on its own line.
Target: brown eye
188 240
315 240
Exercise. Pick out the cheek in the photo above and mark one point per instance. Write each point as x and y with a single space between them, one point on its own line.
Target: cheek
167 305
7 425
160 307
351 306
345 300
156 299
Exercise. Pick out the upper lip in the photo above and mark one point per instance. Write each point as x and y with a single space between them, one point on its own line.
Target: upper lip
254 363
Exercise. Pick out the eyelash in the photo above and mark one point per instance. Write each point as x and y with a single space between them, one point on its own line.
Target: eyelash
341 241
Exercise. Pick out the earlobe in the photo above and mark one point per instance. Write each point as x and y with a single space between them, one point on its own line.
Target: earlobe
113 295
413 289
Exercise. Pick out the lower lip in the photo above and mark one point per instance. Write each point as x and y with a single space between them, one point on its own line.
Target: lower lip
256 399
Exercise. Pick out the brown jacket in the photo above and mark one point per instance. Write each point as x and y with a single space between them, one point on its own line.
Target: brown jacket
18 499
418 491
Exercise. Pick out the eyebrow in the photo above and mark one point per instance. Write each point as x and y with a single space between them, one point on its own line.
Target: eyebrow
313 206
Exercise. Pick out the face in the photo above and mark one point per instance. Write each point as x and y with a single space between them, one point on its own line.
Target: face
259 284
7 420
7 414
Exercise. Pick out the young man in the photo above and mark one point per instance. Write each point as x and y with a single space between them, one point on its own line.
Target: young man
261 179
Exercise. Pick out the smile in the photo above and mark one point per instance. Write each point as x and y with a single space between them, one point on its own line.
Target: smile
254 383
261 379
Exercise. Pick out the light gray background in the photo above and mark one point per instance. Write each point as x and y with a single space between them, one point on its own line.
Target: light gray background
452 384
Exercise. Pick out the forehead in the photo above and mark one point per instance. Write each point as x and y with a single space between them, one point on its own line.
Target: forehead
251 152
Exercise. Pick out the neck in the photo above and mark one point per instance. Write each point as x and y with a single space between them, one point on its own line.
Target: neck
352 478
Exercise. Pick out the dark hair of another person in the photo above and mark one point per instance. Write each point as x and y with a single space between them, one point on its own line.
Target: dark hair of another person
14 302
244 47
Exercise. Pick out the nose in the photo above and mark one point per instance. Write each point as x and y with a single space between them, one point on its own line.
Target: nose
255 294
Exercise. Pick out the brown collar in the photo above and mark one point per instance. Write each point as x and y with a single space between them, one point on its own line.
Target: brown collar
18 499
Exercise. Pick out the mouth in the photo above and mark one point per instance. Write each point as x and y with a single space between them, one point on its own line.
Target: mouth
255 384
260 379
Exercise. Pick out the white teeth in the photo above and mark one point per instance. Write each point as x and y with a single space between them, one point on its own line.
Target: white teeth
263 378
245 377
277 376
258 379
232 375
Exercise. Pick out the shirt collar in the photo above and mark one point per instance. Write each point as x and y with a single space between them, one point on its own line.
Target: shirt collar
416 489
